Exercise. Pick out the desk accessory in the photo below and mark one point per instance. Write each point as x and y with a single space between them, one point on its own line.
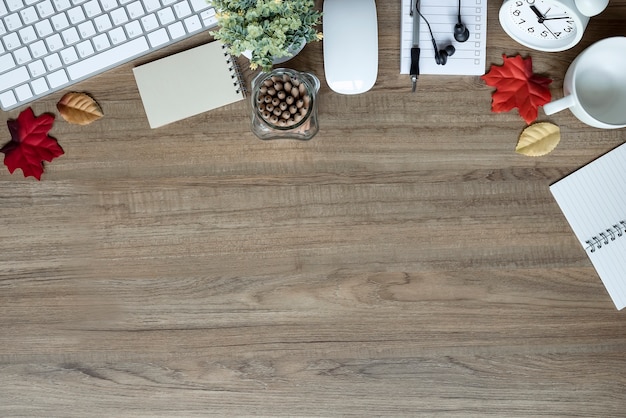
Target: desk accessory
595 85
266 31
284 104
517 87
79 108
443 17
538 139
30 144
548 25
350 45
188 83
593 200
50 47
414 71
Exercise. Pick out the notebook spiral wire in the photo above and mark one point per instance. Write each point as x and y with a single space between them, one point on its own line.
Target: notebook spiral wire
606 237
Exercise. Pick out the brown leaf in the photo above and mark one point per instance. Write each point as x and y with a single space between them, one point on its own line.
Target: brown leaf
538 139
79 108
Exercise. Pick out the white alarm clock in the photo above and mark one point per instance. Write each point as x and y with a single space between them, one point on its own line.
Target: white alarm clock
548 25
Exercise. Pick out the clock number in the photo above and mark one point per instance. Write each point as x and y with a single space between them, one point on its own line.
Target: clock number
516 12
568 29
519 3
531 29
521 21
544 33
557 34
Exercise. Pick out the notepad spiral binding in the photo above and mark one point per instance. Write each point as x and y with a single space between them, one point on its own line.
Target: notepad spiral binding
235 72
604 238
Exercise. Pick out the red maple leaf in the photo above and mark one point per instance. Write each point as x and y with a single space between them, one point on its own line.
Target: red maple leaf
30 143
517 86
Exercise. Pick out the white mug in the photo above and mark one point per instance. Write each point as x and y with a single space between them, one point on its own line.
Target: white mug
595 85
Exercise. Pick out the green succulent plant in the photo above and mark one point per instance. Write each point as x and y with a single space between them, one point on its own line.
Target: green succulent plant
266 28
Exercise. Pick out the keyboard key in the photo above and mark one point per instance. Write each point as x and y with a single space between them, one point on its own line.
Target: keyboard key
103 23
117 36
108 5
199 5
28 34
92 8
133 29
151 5
23 92
45 9
14 5
60 21
57 79
121 52
119 16
38 49
13 22
54 42
101 42
176 30
53 62
166 16
69 55
62 5
39 86
86 29
11 41
6 62
76 15
29 15
135 10
84 49
22 55
149 22
36 68
158 37
192 24
7 99
70 36
43 28
182 9
14 78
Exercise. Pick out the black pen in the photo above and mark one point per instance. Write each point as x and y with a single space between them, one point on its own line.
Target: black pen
414 72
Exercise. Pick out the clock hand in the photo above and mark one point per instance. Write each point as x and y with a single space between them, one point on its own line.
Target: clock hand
555 18
536 11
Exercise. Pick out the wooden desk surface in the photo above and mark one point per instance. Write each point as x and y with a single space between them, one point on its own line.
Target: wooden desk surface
404 262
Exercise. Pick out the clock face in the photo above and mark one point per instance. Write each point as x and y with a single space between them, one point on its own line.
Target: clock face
547 25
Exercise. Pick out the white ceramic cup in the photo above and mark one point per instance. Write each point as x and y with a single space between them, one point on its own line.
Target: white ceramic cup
595 85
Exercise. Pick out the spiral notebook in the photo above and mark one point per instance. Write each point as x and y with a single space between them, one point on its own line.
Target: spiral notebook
188 83
593 200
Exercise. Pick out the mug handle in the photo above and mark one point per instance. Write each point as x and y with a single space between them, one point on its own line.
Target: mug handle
558 105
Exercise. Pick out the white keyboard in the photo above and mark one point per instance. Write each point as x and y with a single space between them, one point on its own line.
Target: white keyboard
47 45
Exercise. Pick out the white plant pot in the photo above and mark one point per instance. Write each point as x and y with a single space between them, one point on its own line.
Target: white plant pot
293 50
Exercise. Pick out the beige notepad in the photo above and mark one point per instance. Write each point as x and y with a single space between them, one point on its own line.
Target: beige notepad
188 83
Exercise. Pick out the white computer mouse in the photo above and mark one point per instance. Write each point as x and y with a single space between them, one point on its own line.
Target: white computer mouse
350 45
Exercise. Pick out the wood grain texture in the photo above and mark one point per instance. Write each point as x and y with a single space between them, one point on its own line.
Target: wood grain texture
404 262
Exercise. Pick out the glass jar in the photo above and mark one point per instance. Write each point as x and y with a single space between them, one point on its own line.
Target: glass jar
284 104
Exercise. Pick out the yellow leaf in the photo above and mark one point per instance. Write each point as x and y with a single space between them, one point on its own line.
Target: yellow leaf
538 139
79 108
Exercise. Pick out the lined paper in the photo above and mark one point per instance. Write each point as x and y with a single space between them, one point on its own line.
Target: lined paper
593 200
469 58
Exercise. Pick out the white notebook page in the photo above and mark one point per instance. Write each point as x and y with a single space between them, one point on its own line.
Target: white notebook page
469 58
593 200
